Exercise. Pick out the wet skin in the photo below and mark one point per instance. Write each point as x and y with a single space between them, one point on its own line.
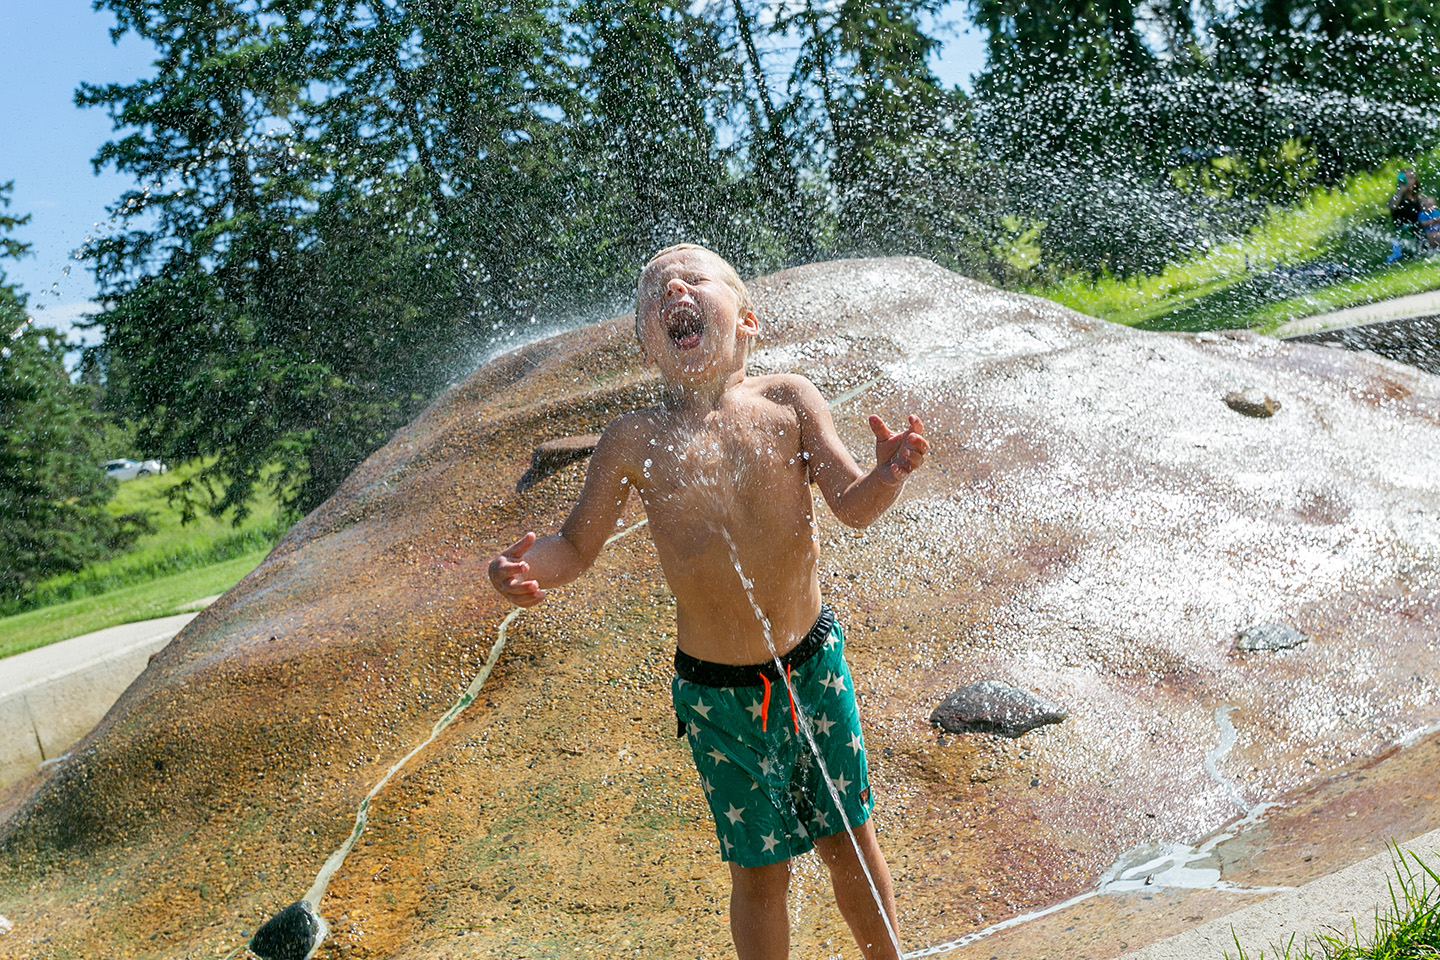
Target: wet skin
724 467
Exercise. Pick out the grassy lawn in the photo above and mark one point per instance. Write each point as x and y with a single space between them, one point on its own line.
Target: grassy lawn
159 597
163 571
1325 254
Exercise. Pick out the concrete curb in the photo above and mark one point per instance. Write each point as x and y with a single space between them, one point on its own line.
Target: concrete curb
52 696
1327 905
1399 308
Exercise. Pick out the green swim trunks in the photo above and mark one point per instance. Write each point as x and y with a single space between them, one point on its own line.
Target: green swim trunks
763 781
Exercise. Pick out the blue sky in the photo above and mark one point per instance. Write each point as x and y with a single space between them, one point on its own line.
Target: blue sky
46 142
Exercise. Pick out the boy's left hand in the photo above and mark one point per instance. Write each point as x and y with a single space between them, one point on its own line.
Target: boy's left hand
901 453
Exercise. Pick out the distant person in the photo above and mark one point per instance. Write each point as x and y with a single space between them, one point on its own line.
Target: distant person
1404 212
724 463
1428 222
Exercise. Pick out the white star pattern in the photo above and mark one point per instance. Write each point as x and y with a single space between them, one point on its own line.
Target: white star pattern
841 785
701 708
734 813
832 640
728 845
823 725
719 757
767 766
834 681
770 842
821 819
856 744
706 784
694 729
755 710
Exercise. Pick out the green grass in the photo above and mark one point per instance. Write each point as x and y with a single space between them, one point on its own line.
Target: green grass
159 597
163 571
1233 285
171 548
1409 929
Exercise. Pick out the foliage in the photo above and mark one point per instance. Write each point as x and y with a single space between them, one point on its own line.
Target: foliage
167 547
1326 253
1141 134
341 203
53 489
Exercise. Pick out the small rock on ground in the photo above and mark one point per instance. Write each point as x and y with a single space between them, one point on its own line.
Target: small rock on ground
289 935
989 706
1252 402
1269 636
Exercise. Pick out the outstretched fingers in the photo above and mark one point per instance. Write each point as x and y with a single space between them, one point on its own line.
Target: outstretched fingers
510 574
902 453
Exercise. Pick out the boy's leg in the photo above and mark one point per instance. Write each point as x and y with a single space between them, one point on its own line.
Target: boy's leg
852 891
759 913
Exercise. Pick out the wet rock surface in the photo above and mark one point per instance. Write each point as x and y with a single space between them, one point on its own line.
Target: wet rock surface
1269 636
989 706
1090 519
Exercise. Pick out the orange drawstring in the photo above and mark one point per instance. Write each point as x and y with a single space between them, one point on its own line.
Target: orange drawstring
794 717
764 702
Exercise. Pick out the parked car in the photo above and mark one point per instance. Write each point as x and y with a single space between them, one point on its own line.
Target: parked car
130 469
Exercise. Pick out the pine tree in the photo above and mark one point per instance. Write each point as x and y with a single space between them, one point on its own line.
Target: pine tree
53 489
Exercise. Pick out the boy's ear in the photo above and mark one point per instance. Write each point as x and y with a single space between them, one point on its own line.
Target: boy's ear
749 325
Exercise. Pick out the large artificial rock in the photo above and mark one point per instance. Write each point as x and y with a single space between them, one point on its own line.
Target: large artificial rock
1090 518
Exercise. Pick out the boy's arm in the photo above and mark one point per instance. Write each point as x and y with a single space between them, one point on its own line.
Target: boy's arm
525 570
857 499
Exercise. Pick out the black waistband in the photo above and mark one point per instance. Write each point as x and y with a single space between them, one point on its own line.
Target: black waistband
709 674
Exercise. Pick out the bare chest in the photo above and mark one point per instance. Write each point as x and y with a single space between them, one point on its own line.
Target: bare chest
741 469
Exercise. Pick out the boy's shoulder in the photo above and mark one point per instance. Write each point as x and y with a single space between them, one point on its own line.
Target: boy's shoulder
783 387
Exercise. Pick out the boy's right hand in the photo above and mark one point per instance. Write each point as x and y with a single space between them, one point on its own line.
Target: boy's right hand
510 574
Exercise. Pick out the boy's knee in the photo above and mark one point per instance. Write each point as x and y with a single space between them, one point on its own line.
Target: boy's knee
761 883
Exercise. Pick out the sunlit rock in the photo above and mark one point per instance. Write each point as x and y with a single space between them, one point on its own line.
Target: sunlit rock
1091 519
989 706
289 935
1252 402
1269 636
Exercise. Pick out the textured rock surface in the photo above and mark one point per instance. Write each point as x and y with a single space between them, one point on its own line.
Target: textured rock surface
988 706
1092 523
1269 636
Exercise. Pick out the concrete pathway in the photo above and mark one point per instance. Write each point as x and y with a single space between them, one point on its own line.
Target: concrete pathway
50 697
1328 905
1399 308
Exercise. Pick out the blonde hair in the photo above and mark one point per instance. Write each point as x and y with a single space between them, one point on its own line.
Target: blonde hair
743 301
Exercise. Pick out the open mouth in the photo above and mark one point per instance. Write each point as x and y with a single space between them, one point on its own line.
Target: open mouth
685 326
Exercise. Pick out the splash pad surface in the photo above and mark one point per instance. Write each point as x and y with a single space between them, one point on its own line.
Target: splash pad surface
1094 524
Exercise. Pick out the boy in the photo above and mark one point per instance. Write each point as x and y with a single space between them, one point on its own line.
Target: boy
724 465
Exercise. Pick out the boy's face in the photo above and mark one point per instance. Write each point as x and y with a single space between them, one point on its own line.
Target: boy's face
688 318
